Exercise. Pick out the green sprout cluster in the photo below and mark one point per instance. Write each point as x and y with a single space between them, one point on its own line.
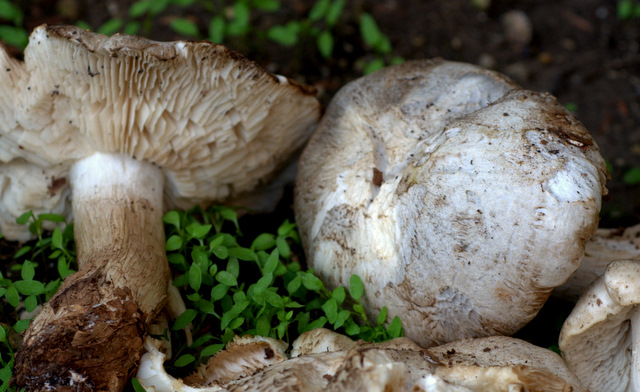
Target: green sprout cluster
231 286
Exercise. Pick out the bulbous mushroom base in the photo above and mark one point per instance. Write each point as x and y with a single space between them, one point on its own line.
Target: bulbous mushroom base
90 339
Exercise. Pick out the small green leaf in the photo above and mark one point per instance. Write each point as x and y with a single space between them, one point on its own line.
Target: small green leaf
283 247
21 325
218 291
263 242
216 29
184 319
632 176
285 228
184 26
267 5
221 252
137 387
14 36
331 310
211 350
29 287
334 12
30 303
262 284
158 6
319 323
27 272
395 328
352 329
286 35
233 267
325 44
319 10
205 307
201 340
373 66
369 30
356 287
132 28
184 360
339 294
24 218
311 282
108 28
176 259
181 280
263 325
273 299
245 254
236 323
139 8
56 238
239 25
57 218
226 278
382 316
195 277
172 218
198 230
173 243
22 251
3 334
294 285
272 262
343 315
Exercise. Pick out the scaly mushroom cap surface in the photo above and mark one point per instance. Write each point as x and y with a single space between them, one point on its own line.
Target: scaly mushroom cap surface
340 364
215 122
600 340
458 198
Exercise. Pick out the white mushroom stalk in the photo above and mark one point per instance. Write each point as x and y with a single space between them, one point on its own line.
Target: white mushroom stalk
99 315
600 340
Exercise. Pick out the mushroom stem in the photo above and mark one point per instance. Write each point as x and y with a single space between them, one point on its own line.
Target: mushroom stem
90 334
635 350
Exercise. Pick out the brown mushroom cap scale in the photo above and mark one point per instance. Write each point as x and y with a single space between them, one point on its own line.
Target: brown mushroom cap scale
132 127
458 198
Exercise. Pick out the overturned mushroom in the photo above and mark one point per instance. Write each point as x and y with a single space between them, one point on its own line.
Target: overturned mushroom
606 246
600 340
460 199
486 364
134 126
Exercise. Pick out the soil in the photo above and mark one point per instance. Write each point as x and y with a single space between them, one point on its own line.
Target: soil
578 50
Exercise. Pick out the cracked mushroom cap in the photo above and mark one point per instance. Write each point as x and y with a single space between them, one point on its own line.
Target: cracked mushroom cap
487 365
600 340
460 199
215 122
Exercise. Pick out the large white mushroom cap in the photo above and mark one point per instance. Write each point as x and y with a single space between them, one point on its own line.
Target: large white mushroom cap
458 198
215 122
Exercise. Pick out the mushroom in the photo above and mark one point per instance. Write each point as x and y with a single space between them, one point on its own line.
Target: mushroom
460 199
133 127
485 364
606 246
600 340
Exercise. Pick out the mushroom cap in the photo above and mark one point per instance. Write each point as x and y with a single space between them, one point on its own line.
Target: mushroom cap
215 122
459 199
595 339
487 365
